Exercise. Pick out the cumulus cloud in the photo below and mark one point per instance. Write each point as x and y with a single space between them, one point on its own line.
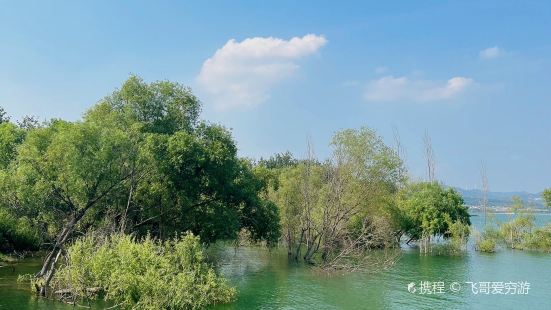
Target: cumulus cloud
391 89
491 53
243 73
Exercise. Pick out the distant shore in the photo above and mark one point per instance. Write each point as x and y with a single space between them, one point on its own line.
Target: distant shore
506 210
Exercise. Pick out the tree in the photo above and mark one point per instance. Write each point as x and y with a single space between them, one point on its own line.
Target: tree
279 160
187 176
160 107
66 170
485 190
428 209
547 197
10 138
4 118
28 123
140 162
331 212
217 193
429 157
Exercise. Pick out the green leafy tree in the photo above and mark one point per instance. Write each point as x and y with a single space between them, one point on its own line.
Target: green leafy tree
547 197
428 210
279 160
139 162
10 138
187 176
65 171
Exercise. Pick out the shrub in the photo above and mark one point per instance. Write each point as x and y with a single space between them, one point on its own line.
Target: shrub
516 231
458 233
539 239
487 245
143 274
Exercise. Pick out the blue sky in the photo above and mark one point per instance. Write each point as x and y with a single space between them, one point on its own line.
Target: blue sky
473 74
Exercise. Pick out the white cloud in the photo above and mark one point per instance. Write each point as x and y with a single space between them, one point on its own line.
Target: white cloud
243 73
390 89
491 53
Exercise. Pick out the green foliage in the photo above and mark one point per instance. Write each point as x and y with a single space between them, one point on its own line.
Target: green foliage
427 209
10 138
28 123
458 234
7 259
539 239
487 241
17 233
516 231
217 193
160 107
517 204
278 161
145 274
140 161
67 171
339 206
547 197
486 245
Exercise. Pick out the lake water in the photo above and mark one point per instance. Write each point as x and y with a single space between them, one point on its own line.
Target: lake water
265 280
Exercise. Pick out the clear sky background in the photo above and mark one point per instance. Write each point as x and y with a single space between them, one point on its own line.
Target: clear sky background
474 74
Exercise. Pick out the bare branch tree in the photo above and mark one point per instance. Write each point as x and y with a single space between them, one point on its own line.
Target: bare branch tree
4 118
429 156
401 152
485 190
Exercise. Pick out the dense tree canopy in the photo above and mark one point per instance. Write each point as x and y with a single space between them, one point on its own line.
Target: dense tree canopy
10 138
427 209
139 162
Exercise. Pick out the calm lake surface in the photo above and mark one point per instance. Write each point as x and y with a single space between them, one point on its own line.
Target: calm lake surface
265 280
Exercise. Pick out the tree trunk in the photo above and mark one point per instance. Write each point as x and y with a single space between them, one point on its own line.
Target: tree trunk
312 249
299 245
48 268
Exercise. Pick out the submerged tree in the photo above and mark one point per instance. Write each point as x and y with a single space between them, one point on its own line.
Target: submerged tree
485 190
429 210
331 212
65 170
140 162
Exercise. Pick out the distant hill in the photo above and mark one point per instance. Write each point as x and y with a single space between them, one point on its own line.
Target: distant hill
500 199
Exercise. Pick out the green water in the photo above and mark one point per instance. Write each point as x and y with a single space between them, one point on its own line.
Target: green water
265 280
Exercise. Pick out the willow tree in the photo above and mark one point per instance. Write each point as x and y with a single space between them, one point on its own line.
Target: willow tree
140 161
10 137
187 176
66 170
333 212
